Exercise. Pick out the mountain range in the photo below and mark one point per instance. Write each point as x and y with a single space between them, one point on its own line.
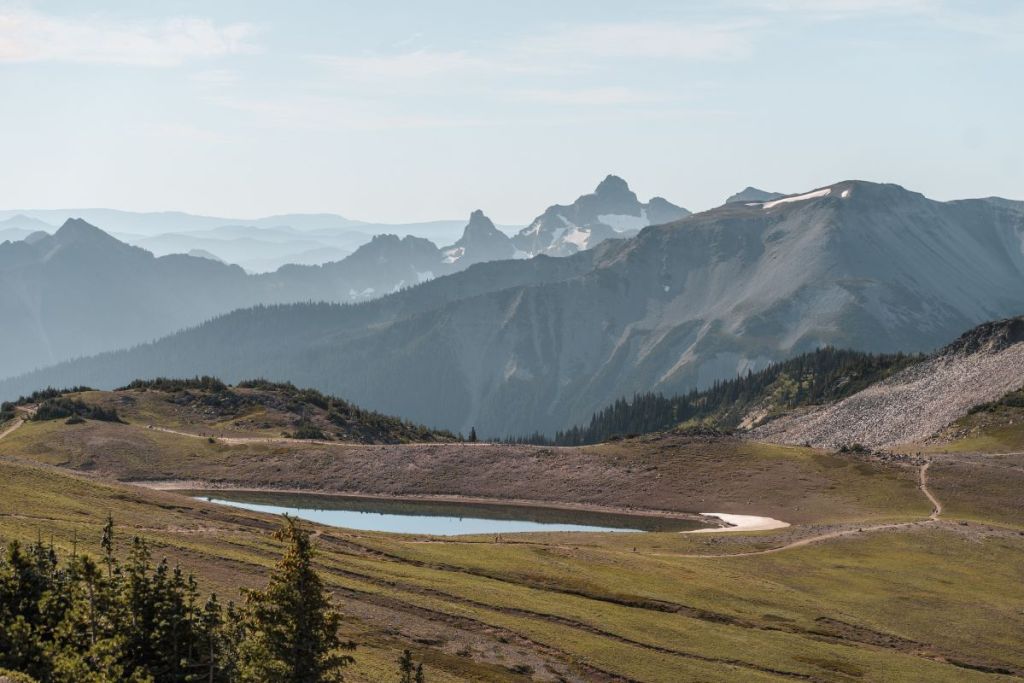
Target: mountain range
613 210
80 291
258 245
513 346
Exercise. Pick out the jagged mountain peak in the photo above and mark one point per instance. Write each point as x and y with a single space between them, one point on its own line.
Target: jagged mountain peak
611 211
612 185
478 222
480 241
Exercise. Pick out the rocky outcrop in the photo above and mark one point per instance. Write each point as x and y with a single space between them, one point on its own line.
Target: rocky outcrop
982 365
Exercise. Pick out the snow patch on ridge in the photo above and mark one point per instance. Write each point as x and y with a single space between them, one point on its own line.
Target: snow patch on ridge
579 237
453 255
797 198
622 222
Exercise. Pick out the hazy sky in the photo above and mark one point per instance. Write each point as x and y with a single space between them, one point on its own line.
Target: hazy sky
403 111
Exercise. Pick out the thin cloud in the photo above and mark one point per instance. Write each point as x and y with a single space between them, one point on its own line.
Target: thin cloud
403 66
33 37
590 96
560 50
647 40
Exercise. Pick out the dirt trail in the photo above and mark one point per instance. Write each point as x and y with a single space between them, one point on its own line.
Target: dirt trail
26 413
922 486
14 425
936 505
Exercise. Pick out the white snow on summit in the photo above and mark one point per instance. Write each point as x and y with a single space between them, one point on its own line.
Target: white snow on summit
797 198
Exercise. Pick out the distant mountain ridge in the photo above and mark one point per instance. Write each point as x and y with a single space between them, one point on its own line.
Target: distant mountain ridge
128 303
613 210
514 346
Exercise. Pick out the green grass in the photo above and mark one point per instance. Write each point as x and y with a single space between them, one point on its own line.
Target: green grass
589 600
882 606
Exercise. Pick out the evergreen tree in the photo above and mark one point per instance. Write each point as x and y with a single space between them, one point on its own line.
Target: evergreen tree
292 628
405 667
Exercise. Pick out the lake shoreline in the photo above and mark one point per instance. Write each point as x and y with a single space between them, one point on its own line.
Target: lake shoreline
202 487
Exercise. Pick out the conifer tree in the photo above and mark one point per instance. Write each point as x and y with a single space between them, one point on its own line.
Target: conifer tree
405 667
292 628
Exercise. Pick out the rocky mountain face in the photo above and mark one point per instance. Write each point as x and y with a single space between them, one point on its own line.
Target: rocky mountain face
480 242
752 194
613 210
981 366
80 291
514 346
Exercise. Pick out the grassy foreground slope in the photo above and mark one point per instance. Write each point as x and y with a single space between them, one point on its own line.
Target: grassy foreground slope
596 606
864 586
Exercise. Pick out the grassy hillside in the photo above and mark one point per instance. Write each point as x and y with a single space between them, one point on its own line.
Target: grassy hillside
860 587
595 606
660 472
205 406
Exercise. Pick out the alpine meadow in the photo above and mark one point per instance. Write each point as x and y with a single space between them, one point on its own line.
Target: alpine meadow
462 342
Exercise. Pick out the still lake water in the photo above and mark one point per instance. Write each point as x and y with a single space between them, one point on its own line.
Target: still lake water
437 518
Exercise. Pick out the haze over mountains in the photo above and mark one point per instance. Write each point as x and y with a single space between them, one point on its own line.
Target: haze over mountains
513 346
80 291
258 245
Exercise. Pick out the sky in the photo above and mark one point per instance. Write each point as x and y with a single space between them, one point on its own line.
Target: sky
407 111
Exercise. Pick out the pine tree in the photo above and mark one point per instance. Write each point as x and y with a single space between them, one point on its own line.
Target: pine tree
405 667
293 630
472 435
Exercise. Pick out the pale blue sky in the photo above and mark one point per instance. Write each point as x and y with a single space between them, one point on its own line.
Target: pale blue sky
401 111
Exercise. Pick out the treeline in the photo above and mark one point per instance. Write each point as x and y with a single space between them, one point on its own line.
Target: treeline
362 424
340 416
54 405
174 385
74 410
818 377
87 620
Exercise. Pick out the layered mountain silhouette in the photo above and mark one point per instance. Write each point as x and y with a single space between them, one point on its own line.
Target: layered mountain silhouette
518 345
613 210
81 291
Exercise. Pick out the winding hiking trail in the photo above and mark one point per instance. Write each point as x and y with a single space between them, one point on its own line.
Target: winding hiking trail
922 486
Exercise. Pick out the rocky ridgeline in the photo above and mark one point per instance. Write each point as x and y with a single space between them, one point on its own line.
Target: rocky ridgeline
982 365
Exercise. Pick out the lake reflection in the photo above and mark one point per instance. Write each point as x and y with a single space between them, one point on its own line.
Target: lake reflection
437 518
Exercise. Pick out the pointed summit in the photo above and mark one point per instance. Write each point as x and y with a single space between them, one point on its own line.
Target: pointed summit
478 223
480 241
612 185
77 230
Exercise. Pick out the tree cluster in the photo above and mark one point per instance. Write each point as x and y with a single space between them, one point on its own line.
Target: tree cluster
86 621
75 410
814 378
